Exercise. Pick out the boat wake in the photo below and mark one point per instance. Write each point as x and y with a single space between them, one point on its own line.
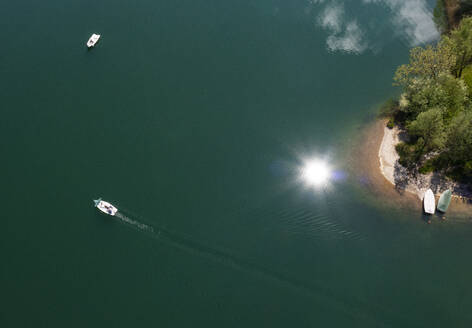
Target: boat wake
134 223
182 241
188 244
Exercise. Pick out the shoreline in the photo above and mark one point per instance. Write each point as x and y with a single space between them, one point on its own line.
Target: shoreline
417 184
376 162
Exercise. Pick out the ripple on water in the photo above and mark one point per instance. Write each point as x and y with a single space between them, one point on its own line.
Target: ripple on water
319 223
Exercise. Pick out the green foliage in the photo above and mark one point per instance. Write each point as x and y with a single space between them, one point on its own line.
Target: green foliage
460 41
429 127
389 108
440 18
426 63
421 94
427 167
467 77
408 156
456 159
390 123
435 105
456 95
459 140
445 92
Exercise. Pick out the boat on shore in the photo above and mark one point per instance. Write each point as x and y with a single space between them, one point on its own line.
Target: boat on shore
444 201
429 203
105 207
93 40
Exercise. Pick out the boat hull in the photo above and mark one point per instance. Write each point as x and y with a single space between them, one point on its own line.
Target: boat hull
105 207
93 40
429 202
444 201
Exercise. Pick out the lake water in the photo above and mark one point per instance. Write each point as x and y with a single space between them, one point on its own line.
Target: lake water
194 119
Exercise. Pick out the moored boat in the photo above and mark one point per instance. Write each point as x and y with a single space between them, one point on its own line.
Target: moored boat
429 202
93 40
444 201
105 207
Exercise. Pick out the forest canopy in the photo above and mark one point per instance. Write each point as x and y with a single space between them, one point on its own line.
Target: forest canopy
435 106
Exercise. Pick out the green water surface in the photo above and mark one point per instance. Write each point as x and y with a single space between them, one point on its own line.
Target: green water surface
193 117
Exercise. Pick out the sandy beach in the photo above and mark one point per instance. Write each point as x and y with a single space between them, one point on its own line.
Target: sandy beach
377 161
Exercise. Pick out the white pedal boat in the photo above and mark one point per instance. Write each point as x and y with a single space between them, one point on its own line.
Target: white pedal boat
429 202
105 207
93 40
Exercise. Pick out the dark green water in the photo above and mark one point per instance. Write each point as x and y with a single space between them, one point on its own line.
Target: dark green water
193 117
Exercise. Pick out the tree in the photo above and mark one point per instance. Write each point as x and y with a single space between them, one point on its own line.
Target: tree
459 138
426 63
428 128
439 16
420 95
456 95
467 77
461 43
459 144
435 106
445 92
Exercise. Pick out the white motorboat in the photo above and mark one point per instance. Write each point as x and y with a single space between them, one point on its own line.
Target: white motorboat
93 40
105 207
429 202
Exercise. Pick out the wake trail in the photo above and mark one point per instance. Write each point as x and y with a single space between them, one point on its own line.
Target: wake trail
190 245
315 289
137 224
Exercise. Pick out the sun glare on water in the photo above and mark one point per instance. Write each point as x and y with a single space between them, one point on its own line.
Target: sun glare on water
316 173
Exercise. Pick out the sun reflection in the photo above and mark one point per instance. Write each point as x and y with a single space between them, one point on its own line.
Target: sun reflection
316 173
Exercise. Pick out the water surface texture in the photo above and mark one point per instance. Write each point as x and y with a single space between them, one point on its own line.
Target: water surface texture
193 118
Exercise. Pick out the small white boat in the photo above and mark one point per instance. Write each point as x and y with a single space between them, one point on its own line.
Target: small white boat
93 40
429 202
105 207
